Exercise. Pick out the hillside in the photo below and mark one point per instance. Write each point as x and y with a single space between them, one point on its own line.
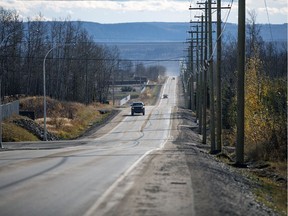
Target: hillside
137 32
167 32
164 43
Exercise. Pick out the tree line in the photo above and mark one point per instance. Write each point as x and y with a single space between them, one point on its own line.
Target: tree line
76 68
265 94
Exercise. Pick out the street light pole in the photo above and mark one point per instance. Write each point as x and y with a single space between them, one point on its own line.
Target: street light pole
44 88
44 92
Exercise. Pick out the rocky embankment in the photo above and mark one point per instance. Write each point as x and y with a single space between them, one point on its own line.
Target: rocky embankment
34 128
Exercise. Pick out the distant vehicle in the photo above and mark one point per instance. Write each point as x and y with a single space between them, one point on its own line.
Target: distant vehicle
165 96
137 107
173 78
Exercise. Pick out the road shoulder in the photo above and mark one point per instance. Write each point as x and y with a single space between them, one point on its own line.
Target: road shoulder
160 185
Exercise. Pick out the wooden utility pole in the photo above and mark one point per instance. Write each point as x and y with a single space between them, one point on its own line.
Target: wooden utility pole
218 81
192 74
205 67
240 84
211 78
201 77
198 116
205 61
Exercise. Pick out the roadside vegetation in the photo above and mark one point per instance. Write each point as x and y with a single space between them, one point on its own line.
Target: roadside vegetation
66 120
265 113
150 95
13 133
265 130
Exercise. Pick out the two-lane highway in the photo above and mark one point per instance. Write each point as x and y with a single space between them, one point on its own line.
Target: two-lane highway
74 180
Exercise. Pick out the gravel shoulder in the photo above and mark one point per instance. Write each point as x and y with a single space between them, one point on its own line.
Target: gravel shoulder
183 179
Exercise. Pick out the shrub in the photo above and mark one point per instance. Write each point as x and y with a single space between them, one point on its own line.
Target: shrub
265 114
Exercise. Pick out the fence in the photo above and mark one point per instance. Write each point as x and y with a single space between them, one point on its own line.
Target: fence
124 100
10 109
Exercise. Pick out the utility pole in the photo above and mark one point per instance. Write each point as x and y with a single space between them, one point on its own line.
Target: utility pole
192 75
205 65
218 81
211 72
204 69
197 104
209 63
201 108
240 84
191 70
185 86
198 116
188 72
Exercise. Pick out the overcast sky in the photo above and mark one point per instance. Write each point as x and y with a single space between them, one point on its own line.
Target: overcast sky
119 11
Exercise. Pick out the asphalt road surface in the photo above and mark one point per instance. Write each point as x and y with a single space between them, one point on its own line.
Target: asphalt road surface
74 180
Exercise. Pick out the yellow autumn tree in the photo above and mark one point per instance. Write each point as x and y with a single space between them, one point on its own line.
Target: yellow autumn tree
257 130
262 124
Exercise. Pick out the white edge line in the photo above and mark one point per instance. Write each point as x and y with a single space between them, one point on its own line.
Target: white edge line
92 209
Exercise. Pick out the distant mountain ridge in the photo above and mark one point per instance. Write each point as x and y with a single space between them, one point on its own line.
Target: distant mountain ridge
168 32
137 32
163 41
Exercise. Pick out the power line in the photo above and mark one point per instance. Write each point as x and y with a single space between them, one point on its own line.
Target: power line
174 59
223 29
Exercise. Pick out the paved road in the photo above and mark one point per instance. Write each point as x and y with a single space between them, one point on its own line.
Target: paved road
75 180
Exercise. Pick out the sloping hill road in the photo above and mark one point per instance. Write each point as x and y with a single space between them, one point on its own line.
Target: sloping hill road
135 165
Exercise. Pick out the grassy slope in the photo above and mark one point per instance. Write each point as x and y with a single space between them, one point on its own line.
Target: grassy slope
66 120
14 133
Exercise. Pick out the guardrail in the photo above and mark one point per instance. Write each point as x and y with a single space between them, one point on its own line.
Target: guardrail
9 109
124 100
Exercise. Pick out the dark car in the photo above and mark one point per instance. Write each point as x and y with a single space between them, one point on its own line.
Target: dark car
137 107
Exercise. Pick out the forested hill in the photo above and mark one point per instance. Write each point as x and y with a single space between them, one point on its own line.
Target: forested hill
168 32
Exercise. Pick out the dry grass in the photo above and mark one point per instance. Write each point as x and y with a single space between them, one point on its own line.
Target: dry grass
273 195
67 120
271 191
150 95
14 133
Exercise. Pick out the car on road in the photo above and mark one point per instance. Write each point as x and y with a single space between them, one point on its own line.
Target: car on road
137 107
165 96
